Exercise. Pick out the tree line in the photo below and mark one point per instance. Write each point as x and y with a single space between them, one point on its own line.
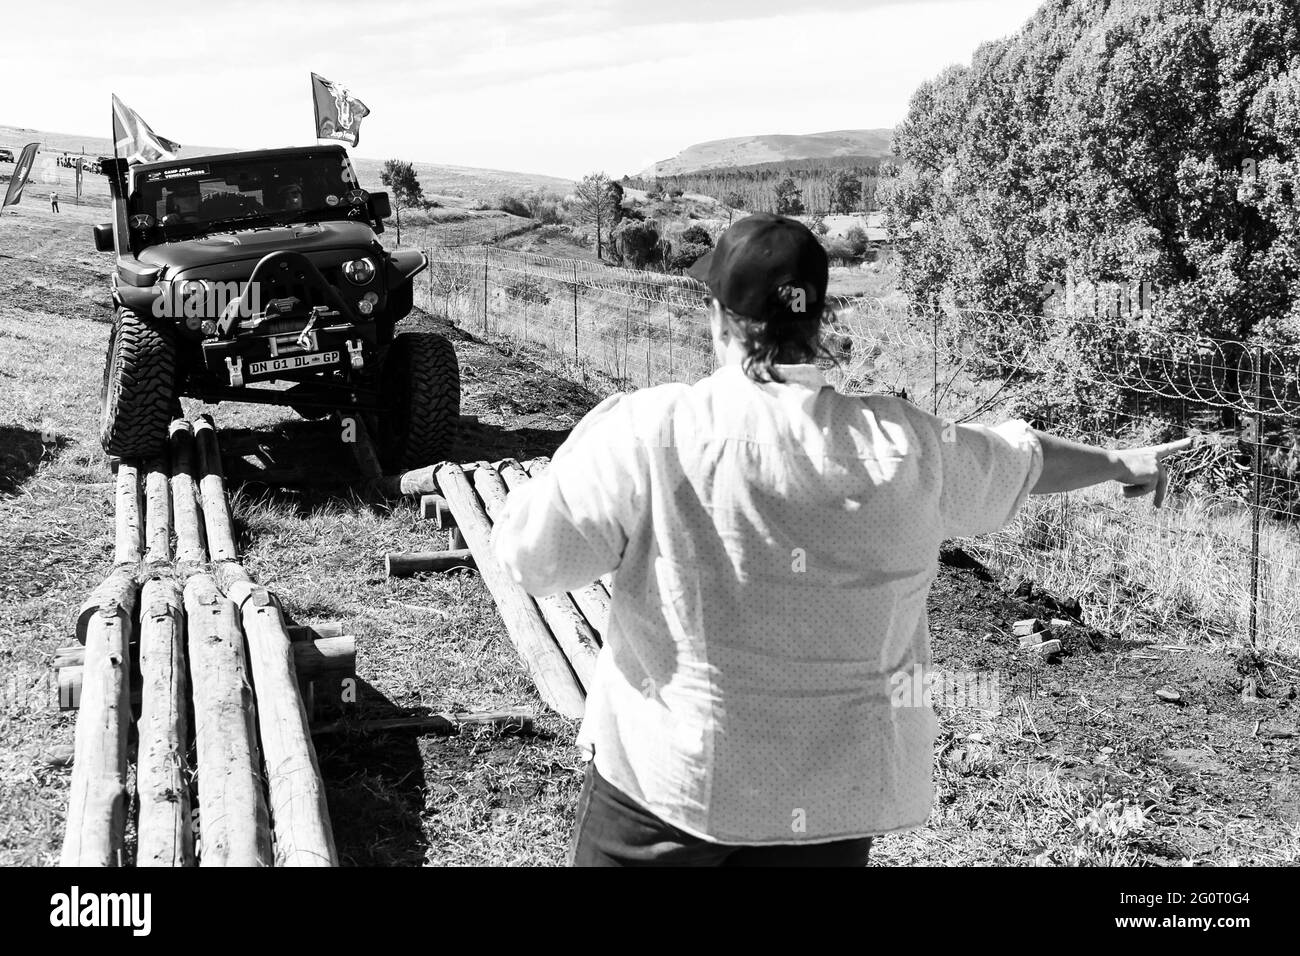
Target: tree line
844 184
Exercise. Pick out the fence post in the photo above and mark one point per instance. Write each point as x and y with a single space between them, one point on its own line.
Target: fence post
1256 495
575 313
935 391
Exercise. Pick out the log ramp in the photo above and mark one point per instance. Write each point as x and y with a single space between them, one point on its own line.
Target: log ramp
179 622
557 636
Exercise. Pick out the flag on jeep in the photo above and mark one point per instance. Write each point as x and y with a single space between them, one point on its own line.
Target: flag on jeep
21 171
338 112
133 139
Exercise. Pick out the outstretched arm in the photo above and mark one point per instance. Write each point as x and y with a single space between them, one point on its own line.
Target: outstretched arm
1068 466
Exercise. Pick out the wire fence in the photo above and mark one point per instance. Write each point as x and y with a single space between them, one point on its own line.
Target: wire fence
1223 562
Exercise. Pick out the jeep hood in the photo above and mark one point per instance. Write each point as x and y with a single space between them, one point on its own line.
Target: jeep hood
252 244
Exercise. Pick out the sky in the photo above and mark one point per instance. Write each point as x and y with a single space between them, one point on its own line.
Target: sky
527 85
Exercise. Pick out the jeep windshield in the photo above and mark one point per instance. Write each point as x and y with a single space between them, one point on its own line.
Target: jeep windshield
202 197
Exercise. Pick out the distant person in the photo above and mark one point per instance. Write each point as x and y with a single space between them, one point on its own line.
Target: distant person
54 202
290 197
773 543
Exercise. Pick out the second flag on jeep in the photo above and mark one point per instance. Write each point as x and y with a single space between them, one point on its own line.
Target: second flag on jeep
338 112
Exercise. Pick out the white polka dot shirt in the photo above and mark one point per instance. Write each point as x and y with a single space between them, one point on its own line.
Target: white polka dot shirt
772 548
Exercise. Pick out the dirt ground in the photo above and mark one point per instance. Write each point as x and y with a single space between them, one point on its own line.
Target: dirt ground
1073 760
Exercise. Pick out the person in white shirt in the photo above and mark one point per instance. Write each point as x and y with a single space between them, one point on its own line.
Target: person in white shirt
772 543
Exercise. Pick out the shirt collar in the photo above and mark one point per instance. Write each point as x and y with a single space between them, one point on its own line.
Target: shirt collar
805 376
809 376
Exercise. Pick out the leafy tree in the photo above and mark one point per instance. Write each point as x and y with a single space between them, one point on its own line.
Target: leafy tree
735 199
594 205
789 198
399 176
845 191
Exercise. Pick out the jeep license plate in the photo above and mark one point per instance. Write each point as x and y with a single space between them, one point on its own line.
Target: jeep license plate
291 363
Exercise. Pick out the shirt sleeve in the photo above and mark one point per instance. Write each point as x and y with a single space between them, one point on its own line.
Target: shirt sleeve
988 472
565 528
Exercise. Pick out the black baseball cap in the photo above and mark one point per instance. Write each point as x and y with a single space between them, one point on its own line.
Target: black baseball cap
759 262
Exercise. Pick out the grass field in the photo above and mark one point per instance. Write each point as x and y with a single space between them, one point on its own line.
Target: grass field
1078 762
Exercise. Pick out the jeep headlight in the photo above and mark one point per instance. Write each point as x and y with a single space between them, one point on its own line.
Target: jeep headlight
359 271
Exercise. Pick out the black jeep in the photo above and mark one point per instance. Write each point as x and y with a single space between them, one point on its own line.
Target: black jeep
249 268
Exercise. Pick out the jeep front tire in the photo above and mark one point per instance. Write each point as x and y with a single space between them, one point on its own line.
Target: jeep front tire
139 390
419 390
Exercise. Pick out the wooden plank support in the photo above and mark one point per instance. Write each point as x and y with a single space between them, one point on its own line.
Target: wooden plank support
164 830
593 599
435 507
420 481
403 564
129 524
191 546
158 515
299 812
96 821
574 635
322 657
550 670
516 720
234 826
217 522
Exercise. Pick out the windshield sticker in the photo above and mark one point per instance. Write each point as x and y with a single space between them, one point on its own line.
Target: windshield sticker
180 172
331 200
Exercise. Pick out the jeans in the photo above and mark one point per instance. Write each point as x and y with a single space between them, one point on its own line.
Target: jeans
612 830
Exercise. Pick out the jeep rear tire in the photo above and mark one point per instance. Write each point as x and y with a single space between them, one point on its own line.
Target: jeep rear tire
139 390
419 390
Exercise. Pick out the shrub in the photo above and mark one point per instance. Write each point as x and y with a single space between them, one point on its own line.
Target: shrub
856 238
685 254
515 206
697 235
637 242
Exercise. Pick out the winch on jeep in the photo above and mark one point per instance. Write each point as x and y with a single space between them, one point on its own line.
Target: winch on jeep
241 269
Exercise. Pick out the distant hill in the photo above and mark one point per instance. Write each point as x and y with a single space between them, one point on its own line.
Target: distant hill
749 150
437 179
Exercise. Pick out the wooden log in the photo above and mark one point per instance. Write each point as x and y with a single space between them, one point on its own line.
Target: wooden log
592 599
233 821
299 812
313 632
162 770
516 720
157 514
191 546
574 635
546 664
403 564
129 524
217 523
312 657
119 589
323 657
96 820
420 481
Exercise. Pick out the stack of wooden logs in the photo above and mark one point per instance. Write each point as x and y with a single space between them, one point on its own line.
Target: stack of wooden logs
558 636
211 642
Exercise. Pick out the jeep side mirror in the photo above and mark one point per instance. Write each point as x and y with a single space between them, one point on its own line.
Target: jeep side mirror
380 207
104 237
